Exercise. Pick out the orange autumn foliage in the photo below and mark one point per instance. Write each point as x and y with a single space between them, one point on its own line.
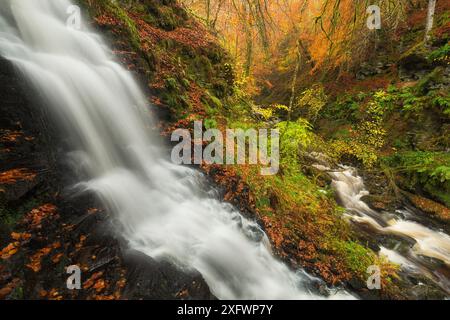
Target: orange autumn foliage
333 33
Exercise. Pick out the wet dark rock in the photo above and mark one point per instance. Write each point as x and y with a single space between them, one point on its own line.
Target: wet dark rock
20 190
323 179
360 286
414 65
366 236
382 196
420 287
379 202
254 233
371 69
414 62
151 279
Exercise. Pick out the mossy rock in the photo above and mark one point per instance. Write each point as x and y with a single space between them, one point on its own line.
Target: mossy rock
172 84
415 58
165 14
433 78
201 68
430 207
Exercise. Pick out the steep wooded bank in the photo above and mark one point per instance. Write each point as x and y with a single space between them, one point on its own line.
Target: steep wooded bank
193 80
303 222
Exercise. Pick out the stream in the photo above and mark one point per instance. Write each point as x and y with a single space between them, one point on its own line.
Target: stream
415 247
162 208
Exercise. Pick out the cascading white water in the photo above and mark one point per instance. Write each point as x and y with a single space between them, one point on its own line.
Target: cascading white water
428 243
160 206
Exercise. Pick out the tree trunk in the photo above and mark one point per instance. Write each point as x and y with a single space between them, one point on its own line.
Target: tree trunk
294 80
249 52
208 13
430 18
248 41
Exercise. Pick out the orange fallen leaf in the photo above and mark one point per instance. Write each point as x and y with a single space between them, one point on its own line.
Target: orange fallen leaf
4 292
10 250
35 260
121 283
100 285
79 245
20 236
10 136
57 257
54 295
56 245
90 282
92 210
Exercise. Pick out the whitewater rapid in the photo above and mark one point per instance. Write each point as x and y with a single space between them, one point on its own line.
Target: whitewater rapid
428 243
162 209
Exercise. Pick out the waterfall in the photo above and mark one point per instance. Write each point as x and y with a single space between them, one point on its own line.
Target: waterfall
161 208
429 243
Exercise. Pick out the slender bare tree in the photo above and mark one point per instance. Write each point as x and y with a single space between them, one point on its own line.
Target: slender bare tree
430 19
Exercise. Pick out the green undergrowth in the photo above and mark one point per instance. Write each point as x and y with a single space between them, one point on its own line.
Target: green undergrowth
177 68
306 211
363 126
